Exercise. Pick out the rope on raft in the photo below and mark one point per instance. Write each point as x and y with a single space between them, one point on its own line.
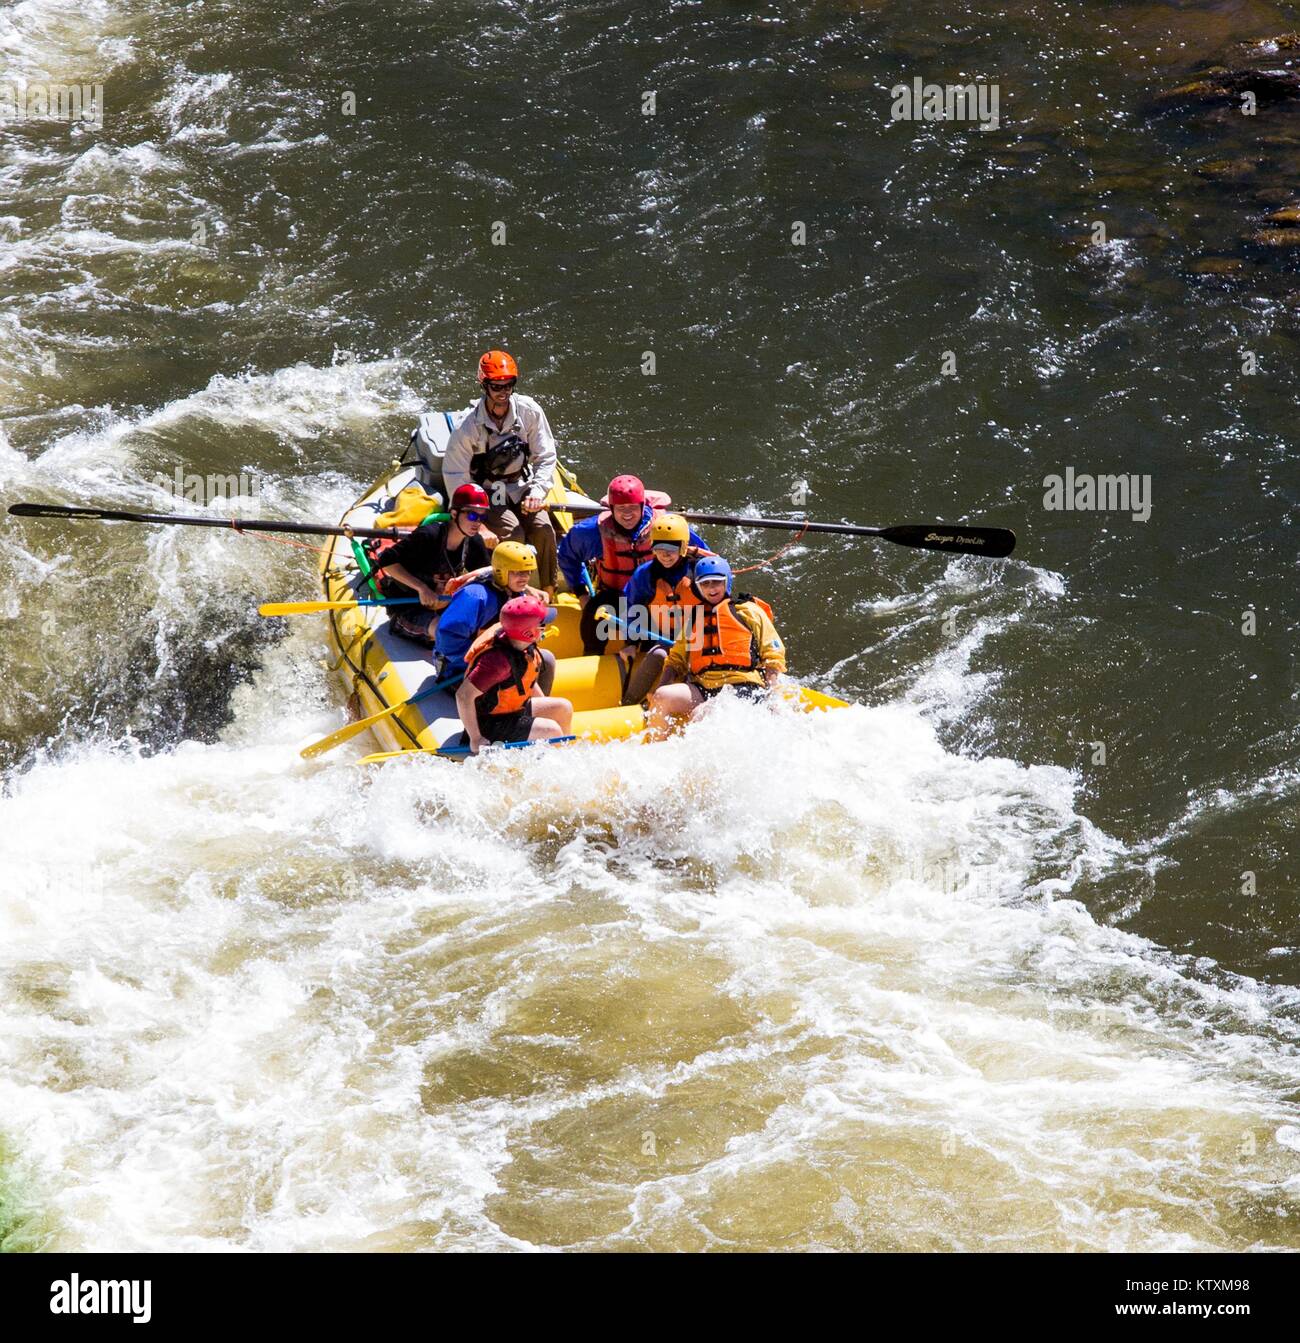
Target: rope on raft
762 564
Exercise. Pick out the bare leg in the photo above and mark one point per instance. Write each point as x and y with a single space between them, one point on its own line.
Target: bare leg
560 711
670 703
645 675
544 729
546 677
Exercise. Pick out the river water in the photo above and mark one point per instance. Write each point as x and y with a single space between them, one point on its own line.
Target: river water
1002 957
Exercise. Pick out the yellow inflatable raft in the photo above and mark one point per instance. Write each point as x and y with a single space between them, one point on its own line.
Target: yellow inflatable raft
379 668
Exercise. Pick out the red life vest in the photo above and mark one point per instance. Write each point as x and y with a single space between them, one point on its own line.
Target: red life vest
507 696
375 549
667 601
621 553
723 642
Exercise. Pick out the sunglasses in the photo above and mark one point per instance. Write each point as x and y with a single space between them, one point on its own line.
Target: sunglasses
505 386
470 516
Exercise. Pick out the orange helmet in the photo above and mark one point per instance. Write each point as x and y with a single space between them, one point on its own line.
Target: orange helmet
496 366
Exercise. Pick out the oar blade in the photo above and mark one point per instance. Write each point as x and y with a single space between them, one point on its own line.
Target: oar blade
37 511
352 729
345 733
954 539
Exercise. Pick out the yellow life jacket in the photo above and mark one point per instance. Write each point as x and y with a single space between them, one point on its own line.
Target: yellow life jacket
410 508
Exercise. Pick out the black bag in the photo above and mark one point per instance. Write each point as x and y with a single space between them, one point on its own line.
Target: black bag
509 460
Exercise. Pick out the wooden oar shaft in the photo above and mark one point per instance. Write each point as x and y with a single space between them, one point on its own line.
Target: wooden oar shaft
184 520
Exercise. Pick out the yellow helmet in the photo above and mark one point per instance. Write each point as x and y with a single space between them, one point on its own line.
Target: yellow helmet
669 529
509 558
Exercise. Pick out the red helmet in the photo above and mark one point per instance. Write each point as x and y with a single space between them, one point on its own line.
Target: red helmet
521 618
469 496
496 366
625 490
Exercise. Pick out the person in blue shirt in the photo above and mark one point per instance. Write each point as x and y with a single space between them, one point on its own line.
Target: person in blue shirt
606 549
477 605
658 599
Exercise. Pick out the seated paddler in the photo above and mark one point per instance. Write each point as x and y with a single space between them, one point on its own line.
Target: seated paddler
598 555
477 604
728 643
425 560
656 598
502 698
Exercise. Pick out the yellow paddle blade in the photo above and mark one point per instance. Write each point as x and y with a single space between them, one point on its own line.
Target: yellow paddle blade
392 755
817 699
347 733
300 608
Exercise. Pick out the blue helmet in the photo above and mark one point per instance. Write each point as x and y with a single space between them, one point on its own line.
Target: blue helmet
713 566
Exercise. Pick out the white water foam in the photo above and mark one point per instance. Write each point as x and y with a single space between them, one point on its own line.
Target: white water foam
232 1035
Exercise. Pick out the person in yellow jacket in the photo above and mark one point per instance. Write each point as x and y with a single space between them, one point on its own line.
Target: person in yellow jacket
726 642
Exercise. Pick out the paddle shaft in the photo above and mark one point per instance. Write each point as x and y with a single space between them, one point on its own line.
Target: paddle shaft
502 745
622 624
276 609
350 730
956 538
182 520
993 542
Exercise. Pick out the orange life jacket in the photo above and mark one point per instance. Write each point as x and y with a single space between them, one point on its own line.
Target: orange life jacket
721 640
621 553
525 666
667 601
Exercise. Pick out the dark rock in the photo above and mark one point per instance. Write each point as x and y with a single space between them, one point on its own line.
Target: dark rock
1216 265
1263 47
1228 170
1275 238
1268 86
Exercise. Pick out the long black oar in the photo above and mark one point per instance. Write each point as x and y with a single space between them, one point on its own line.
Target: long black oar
188 520
954 538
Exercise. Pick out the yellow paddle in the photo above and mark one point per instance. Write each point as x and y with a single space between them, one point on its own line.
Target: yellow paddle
352 729
309 608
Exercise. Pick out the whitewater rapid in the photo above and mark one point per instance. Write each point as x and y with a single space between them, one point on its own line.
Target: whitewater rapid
784 982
